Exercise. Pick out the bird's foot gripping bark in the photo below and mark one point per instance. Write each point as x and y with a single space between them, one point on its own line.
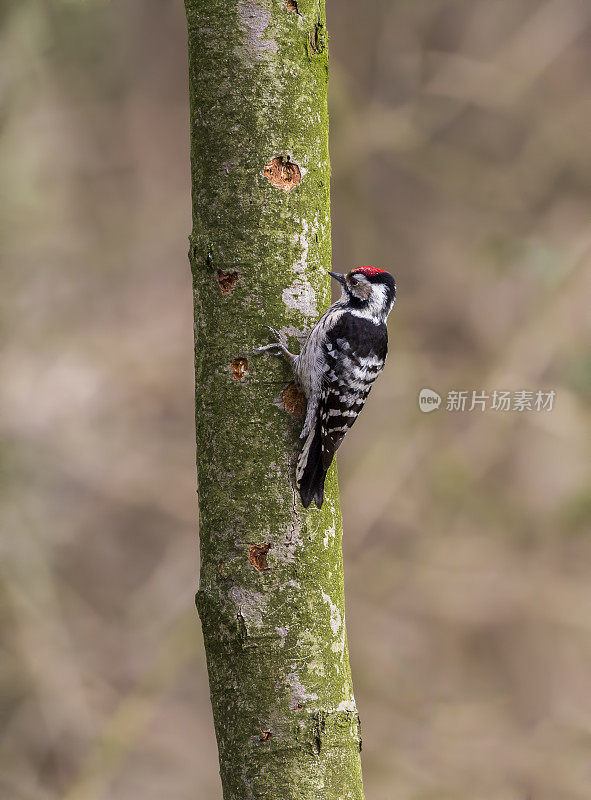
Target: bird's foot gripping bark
280 345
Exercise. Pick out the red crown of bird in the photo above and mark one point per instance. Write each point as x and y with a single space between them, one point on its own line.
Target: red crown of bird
369 271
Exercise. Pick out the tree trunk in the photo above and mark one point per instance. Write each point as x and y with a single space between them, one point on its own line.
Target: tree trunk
271 597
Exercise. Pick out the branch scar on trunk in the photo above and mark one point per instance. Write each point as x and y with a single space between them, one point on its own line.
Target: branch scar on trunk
293 400
226 280
282 174
257 556
239 368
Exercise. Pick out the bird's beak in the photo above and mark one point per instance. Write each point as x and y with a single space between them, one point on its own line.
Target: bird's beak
338 277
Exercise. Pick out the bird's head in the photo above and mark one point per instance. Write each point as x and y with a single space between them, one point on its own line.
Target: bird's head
369 290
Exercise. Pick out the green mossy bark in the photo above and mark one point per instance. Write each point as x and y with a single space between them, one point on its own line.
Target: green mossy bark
285 717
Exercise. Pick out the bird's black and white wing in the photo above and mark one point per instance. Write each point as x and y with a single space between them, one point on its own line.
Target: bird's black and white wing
354 355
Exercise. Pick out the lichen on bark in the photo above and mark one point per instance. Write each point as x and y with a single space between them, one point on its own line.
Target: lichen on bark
271 597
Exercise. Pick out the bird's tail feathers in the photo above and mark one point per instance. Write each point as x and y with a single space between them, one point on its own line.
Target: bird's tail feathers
310 473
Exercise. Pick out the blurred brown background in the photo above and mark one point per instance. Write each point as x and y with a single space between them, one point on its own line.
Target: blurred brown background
461 158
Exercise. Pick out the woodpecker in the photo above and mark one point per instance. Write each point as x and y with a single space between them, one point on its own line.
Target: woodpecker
336 368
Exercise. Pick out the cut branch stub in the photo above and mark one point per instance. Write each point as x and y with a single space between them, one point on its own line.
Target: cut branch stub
317 38
294 400
257 555
226 280
282 174
291 5
239 368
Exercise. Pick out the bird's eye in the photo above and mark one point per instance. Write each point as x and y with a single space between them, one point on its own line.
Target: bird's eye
354 281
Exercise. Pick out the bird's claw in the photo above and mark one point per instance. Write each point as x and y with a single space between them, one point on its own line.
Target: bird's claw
266 347
281 338
280 345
